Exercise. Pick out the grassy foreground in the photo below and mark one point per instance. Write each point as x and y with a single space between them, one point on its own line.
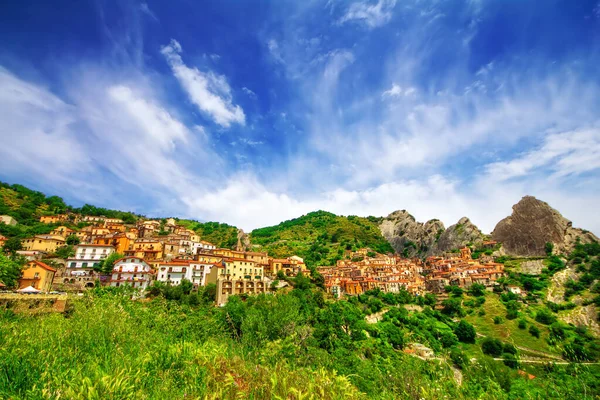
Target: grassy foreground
287 346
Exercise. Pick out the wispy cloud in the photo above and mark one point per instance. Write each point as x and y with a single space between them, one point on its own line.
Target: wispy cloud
371 14
564 154
208 91
146 10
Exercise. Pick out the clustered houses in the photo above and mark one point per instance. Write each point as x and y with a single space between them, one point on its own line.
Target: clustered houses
168 252
162 251
461 271
393 273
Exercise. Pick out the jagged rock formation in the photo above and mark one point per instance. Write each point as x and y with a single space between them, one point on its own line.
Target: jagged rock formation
243 241
534 223
411 238
456 236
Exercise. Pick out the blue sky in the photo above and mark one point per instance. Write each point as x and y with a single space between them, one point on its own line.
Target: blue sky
254 112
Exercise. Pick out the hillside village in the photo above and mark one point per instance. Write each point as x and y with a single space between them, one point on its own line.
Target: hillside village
164 251
326 282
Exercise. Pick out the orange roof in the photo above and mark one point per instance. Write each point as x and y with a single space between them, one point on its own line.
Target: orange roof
42 265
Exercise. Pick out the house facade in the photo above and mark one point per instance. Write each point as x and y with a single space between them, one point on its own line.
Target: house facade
133 271
45 243
38 275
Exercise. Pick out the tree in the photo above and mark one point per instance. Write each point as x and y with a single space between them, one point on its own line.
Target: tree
12 245
477 290
492 347
534 331
452 306
549 247
186 286
106 266
65 251
545 317
73 240
465 332
10 271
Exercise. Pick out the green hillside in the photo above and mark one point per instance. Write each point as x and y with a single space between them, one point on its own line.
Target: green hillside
320 237
221 235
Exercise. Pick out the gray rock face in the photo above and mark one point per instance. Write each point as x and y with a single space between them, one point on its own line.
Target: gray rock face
534 223
457 236
409 237
243 243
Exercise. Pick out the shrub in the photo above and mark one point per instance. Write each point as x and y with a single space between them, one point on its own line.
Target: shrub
465 332
544 316
534 331
510 360
459 358
492 347
522 324
498 320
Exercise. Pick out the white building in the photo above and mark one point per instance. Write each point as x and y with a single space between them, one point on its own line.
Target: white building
132 271
199 272
173 272
80 269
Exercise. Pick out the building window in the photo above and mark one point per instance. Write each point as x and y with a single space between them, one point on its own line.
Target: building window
73 265
84 265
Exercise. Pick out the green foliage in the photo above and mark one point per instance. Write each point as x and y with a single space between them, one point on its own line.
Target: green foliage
12 245
492 347
465 332
544 316
477 290
452 307
549 247
320 237
10 271
219 234
498 320
65 251
534 331
72 240
106 266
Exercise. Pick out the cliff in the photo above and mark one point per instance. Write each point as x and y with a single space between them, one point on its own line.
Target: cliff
534 223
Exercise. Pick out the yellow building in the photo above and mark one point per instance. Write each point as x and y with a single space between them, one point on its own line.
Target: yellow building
148 249
46 243
38 275
240 268
119 241
208 258
53 219
62 231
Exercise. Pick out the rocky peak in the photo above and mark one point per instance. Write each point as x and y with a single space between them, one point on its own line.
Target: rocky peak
534 223
407 236
456 236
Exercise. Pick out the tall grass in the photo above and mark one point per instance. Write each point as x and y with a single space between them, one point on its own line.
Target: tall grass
109 347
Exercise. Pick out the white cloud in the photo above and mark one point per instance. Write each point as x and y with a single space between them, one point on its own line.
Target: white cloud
372 15
249 92
275 51
146 10
37 135
208 91
566 153
397 91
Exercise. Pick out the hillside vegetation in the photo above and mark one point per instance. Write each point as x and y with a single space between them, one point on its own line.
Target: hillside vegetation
320 237
27 206
294 345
